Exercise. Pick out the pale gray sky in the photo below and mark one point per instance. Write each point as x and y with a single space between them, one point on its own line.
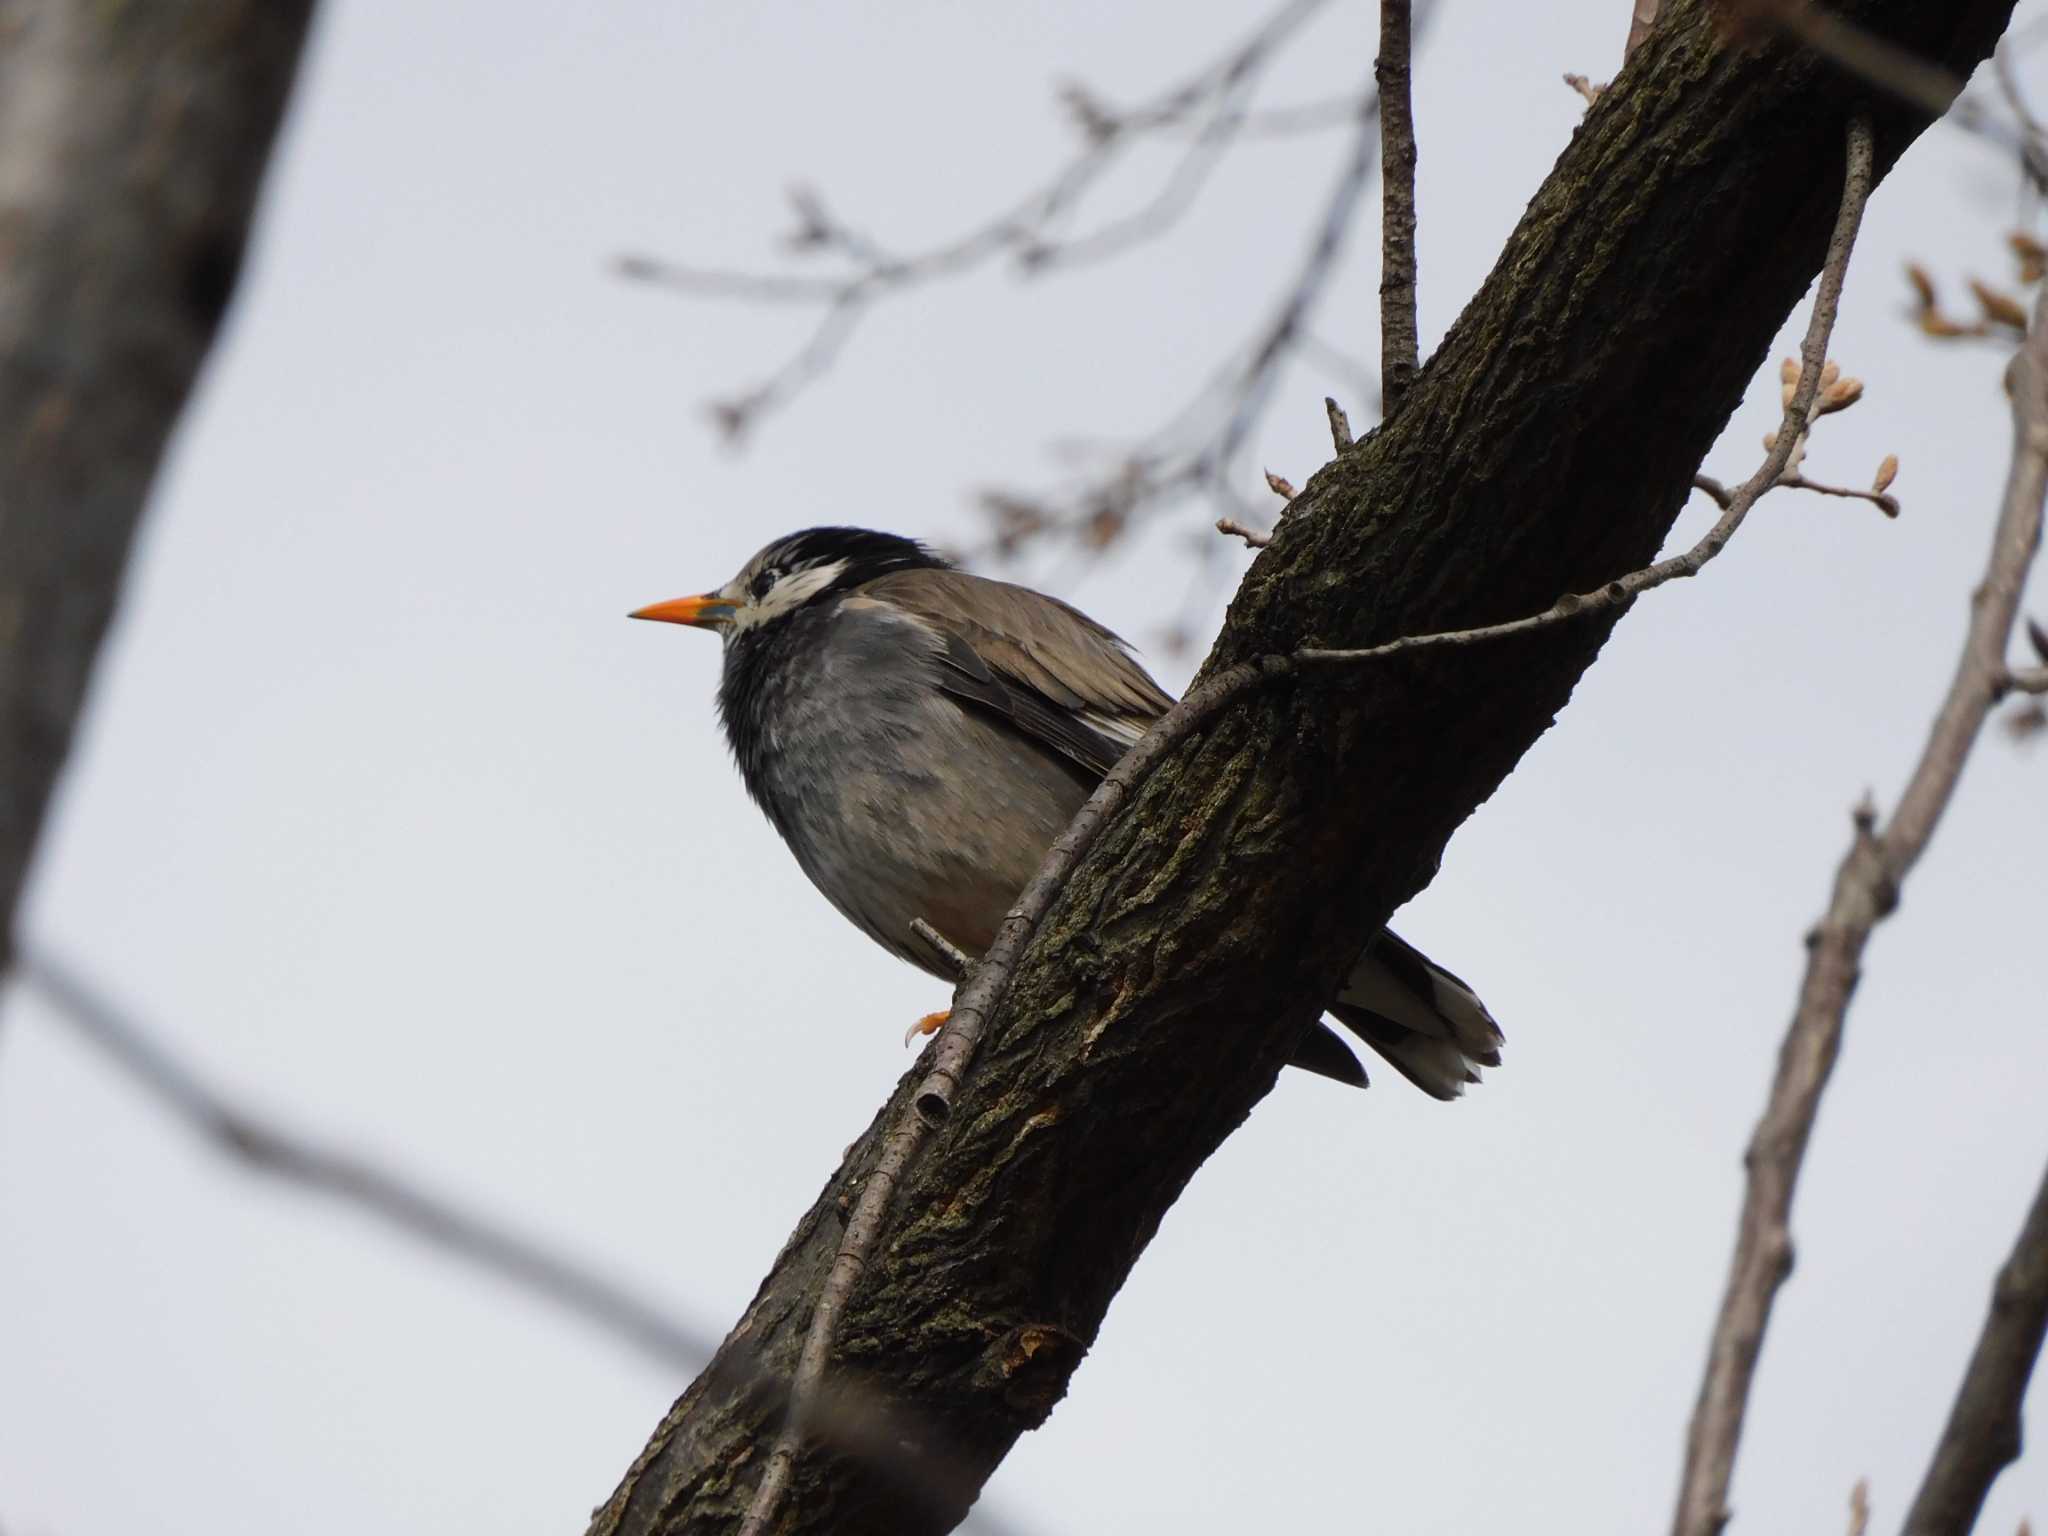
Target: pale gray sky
389 818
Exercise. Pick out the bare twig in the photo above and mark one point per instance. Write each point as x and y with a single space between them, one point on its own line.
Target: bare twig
1884 501
955 956
1197 450
1865 890
1399 344
263 1146
1340 424
1982 1436
863 1229
1231 528
1209 106
1718 493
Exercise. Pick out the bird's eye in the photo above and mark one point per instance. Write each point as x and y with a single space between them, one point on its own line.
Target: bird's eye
765 582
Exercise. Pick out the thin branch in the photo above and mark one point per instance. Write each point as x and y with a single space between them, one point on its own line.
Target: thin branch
955 956
1866 889
1230 527
1210 104
1197 449
1340 424
1884 501
1400 347
263 1146
1982 1436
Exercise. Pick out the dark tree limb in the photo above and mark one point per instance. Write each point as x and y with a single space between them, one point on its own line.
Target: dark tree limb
132 142
1400 346
1982 1436
984 988
1866 889
986 984
1546 449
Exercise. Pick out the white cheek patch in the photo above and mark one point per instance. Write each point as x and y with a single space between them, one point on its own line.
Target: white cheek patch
787 595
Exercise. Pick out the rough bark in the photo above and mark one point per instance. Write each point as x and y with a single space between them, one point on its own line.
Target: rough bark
1546 448
132 140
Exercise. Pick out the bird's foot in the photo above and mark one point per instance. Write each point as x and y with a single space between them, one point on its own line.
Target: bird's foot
930 1024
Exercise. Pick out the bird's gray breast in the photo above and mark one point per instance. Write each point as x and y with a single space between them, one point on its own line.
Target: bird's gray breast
898 802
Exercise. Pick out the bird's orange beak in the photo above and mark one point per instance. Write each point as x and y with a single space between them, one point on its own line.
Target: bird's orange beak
708 611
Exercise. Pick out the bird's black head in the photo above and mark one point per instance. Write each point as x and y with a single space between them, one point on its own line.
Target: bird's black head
816 563
795 571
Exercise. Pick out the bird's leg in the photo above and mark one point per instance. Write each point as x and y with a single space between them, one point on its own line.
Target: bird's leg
956 960
930 1024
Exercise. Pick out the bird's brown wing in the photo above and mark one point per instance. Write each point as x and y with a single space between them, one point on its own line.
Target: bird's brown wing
1047 670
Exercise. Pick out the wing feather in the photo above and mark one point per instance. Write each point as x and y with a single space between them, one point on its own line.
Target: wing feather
1047 670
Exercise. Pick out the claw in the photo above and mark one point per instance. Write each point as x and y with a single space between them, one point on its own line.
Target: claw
930 1024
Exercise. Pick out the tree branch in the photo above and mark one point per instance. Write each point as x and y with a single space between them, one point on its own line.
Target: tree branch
1210 105
94 373
1400 347
1866 890
1178 964
1982 1436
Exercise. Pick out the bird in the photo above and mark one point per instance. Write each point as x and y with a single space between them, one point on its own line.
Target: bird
919 735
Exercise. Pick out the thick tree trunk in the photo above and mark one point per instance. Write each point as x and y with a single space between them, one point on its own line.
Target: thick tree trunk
1546 448
132 140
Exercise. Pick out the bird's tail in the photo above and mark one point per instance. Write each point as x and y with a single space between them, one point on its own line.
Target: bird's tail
1430 1025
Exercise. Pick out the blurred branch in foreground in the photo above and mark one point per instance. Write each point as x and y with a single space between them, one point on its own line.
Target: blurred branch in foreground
848 1419
118 255
263 1146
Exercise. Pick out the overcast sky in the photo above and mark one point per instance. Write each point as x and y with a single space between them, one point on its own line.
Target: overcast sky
386 816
